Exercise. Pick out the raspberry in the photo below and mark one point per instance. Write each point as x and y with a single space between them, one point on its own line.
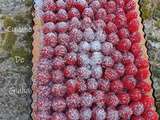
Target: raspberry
135 94
135 37
95 45
112 114
116 56
129 82
73 12
116 86
131 69
128 58
142 74
120 11
98 113
100 35
124 45
132 14
62 15
110 17
43 104
47 52
60 4
44 65
57 76
133 25
43 91
99 24
49 5
83 72
71 58
69 3
73 101
58 90
60 50
58 63
136 49
111 99
150 114
84 46
59 116
63 39
48 27
49 16
82 86
107 48
97 71
58 104
130 5
76 35
88 12
110 6
123 33
81 4
104 85
70 71
110 74
42 115
85 114
113 38
120 3
72 47
141 62
107 62
62 27
125 112
74 23
86 99
96 58
88 34
111 27
86 23
144 86
92 84
43 77
137 118
83 59
95 5
147 101
120 21
72 86
137 108
50 39
119 68
99 98
72 114
124 98
101 14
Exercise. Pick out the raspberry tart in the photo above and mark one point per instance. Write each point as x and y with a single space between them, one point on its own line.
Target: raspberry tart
90 61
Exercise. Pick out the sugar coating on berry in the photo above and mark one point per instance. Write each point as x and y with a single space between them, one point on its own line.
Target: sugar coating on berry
85 113
62 27
72 114
97 71
76 35
49 5
63 39
88 34
61 4
83 59
73 12
71 85
107 48
71 58
100 35
44 104
137 108
44 65
43 77
111 27
84 46
116 86
111 99
58 90
86 99
88 12
47 52
125 112
95 45
129 82
73 101
101 14
113 38
57 76
70 71
58 104
59 116
119 68
112 114
116 55
123 33
99 98
99 113
123 97
83 72
104 85
92 84
96 58
86 23
50 39
99 24
58 63
95 5
110 74
48 27
62 15
74 23
128 58
43 91
107 62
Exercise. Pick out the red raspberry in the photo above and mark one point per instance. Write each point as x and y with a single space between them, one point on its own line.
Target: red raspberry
112 114
59 116
135 37
104 85
120 11
95 45
113 38
69 3
44 104
135 94
83 59
123 33
72 86
142 74
137 118
125 112
110 7
111 99
50 39
95 5
107 62
116 86
62 15
88 34
120 21
99 24
49 5
72 47
86 99
57 76
133 25
72 114
73 12
116 56
100 35
99 98
62 27
110 18
97 71
81 4
86 23
60 50
83 72
58 63
48 27
70 71
82 86
144 86
107 48
128 58
74 23
49 16
43 91
124 98
58 90
58 104
136 49
111 27
132 14
119 68
101 14
42 115
92 84
120 3
124 45
76 35
131 69
141 62
147 101
98 113
110 74
43 77
137 108
130 5
88 12
84 46
44 64
71 58
73 101
85 114
150 114
129 82
63 39
47 52
61 4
